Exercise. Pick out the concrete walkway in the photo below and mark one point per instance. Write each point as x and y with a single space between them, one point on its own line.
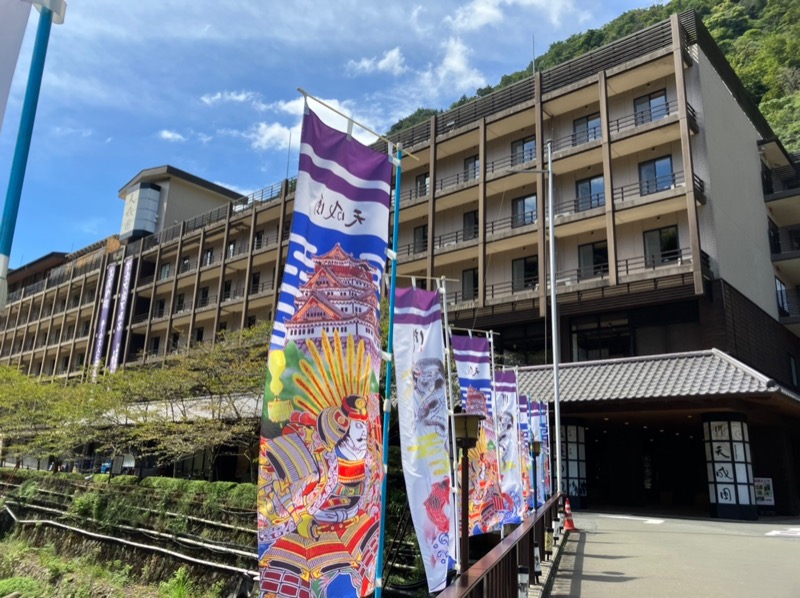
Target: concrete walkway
637 556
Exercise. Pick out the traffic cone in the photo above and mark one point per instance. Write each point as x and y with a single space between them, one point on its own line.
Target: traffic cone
569 525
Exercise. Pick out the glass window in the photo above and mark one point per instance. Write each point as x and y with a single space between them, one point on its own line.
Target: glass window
524 273
586 129
651 107
472 167
601 337
231 248
592 259
656 175
420 238
523 211
523 150
258 240
422 184
208 256
661 246
164 271
782 296
469 284
470 225
198 334
590 193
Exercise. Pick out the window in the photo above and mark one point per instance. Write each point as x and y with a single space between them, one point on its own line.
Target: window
661 246
592 259
175 340
469 284
524 273
231 249
420 238
208 256
251 321
180 303
227 289
470 225
85 328
255 282
523 150
590 193
656 175
70 331
161 305
184 267
164 271
81 359
198 334
774 237
472 167
651 107
601 337
422 283
258 240
422 184
155 343
782 296
523 211
203 297
586 129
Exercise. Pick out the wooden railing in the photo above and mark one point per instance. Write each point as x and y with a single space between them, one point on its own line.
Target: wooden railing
495 574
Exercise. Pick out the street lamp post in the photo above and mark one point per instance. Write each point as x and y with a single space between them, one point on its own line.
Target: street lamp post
465 428
553 304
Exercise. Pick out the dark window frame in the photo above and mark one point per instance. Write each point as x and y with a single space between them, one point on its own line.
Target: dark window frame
658 182
523 217
594 199
650 113
583 131
668 251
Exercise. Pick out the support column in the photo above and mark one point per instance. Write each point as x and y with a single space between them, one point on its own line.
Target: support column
482 213
608 181
431 199
541 216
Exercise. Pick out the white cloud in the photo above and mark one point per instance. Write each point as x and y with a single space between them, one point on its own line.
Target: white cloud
171 136
393 62
453 74
65 131
480 13
265 136
203 138
223 97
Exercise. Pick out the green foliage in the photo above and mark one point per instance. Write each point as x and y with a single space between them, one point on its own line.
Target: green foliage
27 586
179 585
418 116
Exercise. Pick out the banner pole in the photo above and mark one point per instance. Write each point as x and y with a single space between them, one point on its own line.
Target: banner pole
454 460
387 404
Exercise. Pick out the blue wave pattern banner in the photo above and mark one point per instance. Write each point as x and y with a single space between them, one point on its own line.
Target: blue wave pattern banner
508 444
321 456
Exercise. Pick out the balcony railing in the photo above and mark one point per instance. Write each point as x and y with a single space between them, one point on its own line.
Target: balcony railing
206 301
644 263
232 294
456 237
455 297
412 248
514 159
469 174
649 186
577 138
785 241
265 241
581 204
510 287
574 276
145 280
643 117
784 178
416 192
261 287
187 266
788 303
511 222
182 308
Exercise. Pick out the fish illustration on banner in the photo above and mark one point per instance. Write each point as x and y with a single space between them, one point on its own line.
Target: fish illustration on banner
487 504
321 467
422 406
507 425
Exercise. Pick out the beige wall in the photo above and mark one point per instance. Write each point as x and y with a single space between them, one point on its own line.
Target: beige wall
736 201
181 201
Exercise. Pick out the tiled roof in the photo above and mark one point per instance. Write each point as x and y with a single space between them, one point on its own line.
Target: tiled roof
695 374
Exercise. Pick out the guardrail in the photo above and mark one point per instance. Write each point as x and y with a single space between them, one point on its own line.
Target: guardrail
581 204
577 138
495 575
643 263
509 287
456 237
468 175
514 159
511 222
649 186
643 117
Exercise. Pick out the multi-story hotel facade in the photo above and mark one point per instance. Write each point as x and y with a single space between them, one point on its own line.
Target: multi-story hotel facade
675 215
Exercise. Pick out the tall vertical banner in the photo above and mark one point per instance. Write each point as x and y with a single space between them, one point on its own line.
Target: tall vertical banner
122 310
544 484
13 19
321 456
508 445
474 366
526 453
422 406
105 312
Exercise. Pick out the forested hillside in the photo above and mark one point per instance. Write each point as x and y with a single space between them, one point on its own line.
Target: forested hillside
760 38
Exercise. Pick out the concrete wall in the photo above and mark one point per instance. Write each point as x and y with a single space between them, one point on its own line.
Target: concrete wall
181 201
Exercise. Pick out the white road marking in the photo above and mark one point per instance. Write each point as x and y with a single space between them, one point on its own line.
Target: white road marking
792 532
644 519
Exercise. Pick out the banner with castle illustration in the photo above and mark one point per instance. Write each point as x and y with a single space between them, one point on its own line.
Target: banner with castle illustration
422 406
486 501
321 461
508 444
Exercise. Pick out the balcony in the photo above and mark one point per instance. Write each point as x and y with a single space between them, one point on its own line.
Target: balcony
186 267
594 272
577 139
261 288
781 182
146 280
510 288
520 158
265 242
414 195
517 221
649 187
458 297
232 295
182 308
581 203
206 301
450 241
413 250
650 263
455 180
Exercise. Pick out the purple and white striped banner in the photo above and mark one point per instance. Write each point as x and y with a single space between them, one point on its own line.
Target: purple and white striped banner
474 365
507 418
321 462
422 406
122 309
105 311
526 454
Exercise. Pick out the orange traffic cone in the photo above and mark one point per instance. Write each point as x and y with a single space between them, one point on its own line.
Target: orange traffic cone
569 526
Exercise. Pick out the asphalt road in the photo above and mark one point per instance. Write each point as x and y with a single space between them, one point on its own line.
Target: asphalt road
637 556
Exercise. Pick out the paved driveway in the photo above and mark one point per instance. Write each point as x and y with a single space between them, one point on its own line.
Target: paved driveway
619 555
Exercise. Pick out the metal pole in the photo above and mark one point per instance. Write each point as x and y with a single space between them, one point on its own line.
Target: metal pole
387 404
554 312
23 146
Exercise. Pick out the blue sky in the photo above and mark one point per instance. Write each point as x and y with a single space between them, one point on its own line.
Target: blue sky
209 86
